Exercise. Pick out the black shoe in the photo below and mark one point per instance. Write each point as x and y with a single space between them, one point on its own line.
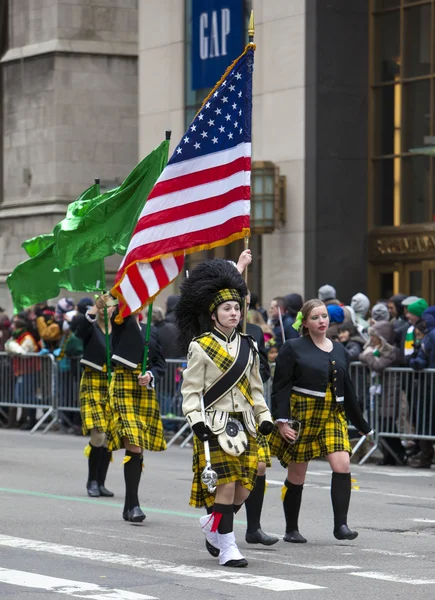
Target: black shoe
93 489
294 537
212 549
105 492
386 462
135 515
344 533
242 562
259 537
125 515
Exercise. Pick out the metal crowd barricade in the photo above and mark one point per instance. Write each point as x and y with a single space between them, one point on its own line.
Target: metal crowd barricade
28 381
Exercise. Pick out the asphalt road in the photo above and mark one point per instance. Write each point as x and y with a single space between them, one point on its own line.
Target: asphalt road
56 542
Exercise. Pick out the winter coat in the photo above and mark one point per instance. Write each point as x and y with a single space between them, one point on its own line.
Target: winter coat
425 358
289 332
389 356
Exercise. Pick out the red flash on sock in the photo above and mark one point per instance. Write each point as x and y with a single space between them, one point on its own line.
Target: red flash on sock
216 520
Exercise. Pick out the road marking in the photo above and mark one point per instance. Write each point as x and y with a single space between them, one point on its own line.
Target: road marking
391 553
78 589
393 578
422 520
269 583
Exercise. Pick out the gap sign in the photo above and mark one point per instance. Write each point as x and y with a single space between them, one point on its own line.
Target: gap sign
217 39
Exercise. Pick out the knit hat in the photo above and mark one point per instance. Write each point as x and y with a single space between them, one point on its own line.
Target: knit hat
383 330
409 300
293 303
380 312
418 307
336 313
209 284
65 305
84 304
326 292
360 304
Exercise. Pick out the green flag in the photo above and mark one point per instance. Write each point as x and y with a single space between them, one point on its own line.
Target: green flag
37 279
104 225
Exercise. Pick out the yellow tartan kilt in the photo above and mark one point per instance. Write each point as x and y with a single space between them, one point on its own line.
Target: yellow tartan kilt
323 430
229 468
94 389
263 450
132 412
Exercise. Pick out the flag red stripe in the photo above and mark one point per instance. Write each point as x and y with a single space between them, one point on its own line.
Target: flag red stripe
160 273
200 177
189 240
138 283
192 209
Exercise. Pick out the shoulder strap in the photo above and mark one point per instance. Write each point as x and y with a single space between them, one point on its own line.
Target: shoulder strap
231 376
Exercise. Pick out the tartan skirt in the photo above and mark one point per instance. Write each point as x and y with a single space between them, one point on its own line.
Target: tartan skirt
229 468
263 450
94 389
323 430
132 412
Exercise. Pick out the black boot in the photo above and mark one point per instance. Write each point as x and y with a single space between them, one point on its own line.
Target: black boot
106 457
254 505
292 504
340 496
132 474
94 465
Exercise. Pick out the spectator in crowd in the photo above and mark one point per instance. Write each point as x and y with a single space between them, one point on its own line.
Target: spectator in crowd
24 341
49 329
397 311
336 317
328 295
413 313
255 305
293 304
425 359
379 312
277 308
5 325
255 318
65 310
379 354
171 303
360 304
349 336
167 333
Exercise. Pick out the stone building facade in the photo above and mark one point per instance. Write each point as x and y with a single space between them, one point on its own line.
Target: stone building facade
70 105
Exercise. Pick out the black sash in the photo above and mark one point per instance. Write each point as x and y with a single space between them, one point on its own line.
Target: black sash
231 376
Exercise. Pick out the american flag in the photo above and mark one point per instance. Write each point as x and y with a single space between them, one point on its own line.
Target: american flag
202 198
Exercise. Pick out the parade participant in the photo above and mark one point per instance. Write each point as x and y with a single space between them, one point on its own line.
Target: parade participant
222 374
132 411
312 391
94 389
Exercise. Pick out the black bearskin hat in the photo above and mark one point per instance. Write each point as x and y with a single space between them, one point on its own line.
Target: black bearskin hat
199 294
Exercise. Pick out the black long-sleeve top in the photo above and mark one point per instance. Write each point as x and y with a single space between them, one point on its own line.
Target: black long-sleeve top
128 343
94 342
303 368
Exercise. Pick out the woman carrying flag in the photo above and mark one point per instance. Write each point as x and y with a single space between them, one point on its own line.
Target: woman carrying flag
132 412
222 396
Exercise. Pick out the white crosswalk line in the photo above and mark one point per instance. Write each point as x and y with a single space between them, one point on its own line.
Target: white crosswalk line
250 580
77 589
393 578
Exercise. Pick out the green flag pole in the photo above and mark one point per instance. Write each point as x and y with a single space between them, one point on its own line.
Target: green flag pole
106 316
150 312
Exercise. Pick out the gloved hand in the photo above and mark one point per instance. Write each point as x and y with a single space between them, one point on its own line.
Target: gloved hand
201 431
266 427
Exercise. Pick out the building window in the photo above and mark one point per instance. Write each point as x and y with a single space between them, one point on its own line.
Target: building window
402 111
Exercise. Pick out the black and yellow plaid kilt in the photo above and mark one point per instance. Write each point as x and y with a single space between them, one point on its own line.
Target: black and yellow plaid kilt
323 430
263 450
132 412
229 468
94 389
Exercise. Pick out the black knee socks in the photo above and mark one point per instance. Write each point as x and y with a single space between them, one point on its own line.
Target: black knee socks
104 465
224 517
254 504
132 474
340 496
94 462
292 504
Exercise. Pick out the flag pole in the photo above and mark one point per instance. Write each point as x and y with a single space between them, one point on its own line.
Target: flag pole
106 316
150 312
251 33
